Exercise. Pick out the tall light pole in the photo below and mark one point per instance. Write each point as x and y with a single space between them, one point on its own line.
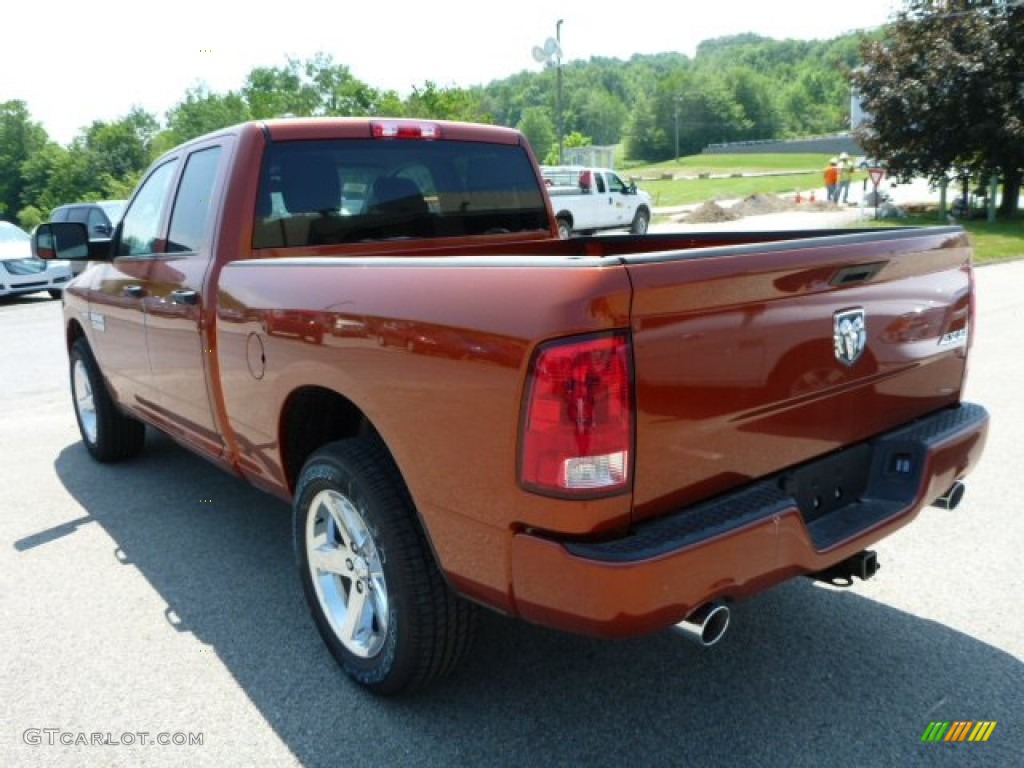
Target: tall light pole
551 53
676 101
558 77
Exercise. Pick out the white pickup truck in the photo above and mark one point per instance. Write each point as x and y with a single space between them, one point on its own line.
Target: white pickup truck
585 200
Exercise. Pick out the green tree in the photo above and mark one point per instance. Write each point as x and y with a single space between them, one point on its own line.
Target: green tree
280 91
55 175
755 95
123 148
103 161
201 112
447 103
646 139
338 92
30 217
944 89
20 139
602 116
577 139
539 130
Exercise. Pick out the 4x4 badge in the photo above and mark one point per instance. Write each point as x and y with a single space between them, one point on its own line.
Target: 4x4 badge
850 334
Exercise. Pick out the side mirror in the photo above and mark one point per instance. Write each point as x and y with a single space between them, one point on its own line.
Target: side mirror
68 240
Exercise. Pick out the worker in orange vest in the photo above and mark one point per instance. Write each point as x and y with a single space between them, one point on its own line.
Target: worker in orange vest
832 180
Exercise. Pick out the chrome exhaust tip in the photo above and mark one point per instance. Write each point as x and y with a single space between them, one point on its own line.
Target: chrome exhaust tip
951 499
706 625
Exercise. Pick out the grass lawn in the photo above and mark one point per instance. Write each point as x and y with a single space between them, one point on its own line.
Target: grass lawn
995 242
674 183
677 182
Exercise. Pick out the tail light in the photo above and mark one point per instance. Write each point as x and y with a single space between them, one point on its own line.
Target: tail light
577 432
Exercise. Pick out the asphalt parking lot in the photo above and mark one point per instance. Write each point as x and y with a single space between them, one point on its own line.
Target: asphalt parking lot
157 600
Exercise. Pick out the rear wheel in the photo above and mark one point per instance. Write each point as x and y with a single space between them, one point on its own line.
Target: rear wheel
108 434
564 229
375 592
640 222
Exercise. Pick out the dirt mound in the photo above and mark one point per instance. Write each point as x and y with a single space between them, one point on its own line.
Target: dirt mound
821 205
709 213
760 204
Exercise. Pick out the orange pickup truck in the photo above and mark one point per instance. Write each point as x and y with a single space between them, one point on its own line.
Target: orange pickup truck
376 321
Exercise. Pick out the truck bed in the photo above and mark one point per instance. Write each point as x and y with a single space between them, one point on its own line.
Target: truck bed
732 333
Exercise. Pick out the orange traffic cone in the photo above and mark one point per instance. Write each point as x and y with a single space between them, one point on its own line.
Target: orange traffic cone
812 196
799 199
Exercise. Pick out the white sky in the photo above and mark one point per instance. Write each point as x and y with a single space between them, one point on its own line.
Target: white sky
75 62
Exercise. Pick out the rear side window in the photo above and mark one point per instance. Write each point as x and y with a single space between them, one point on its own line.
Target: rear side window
355 190
193 203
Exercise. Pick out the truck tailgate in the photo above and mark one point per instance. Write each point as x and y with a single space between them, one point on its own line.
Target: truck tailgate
754 358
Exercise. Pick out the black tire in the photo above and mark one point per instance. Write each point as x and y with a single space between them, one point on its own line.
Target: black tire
411 629
564 229
108 434
640 222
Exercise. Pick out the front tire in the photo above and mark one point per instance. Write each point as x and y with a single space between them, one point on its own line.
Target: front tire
376 595
108 434
640 222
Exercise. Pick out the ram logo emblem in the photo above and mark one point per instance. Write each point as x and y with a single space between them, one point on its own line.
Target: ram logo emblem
850 335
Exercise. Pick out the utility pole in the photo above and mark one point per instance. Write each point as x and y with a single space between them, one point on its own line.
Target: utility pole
676 102
558 76
548 54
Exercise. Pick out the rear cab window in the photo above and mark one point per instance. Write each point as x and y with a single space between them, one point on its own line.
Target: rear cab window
355 190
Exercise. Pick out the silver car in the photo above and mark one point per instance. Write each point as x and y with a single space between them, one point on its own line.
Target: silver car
21 273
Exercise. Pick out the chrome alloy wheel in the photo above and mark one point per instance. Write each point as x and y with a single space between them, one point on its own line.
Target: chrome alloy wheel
85 405
347 573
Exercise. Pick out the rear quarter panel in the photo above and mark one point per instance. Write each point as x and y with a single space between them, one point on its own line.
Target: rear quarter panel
434 353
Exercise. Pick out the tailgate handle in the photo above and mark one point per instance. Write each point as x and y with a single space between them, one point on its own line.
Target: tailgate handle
858 273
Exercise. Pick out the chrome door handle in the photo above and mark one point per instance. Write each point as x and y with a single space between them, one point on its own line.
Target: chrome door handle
185 296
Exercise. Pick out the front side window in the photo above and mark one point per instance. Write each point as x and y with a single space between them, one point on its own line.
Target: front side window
194 201
141 224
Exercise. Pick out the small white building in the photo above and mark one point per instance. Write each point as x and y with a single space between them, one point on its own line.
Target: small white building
595 157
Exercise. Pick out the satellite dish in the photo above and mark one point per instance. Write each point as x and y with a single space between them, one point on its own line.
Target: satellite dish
538 54
551 48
